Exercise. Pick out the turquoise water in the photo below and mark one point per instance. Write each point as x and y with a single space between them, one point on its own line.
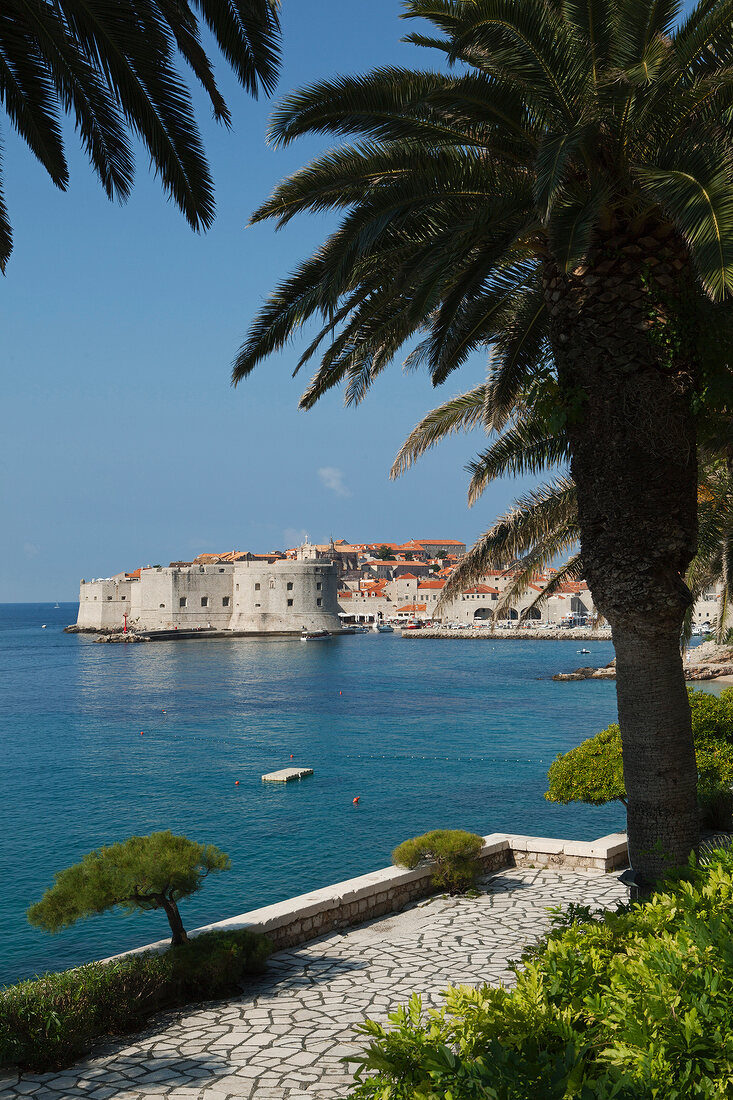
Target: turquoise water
429 734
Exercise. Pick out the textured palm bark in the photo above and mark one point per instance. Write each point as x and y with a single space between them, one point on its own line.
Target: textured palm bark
621 334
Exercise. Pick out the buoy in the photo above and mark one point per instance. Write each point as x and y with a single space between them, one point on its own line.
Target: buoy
142 732
355 801
236 782
292 757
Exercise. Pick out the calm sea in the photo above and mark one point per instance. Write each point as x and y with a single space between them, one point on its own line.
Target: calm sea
429 734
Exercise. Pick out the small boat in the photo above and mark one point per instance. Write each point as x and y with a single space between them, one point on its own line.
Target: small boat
358 629
314 635
57 604
583 651
43 627
383 628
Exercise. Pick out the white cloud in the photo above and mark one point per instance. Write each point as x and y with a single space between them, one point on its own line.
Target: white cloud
333 479
293 537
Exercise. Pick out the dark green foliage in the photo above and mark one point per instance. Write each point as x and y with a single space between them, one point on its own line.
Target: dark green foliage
49 1021
383 553
453 854
143 872
632 1005
592 772
115 68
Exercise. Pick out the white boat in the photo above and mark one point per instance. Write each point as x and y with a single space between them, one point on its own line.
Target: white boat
57 604
383 628
314 635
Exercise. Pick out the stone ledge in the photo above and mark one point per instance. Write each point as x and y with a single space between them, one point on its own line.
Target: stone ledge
390 889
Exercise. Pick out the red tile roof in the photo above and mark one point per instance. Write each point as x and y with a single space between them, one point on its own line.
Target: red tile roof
431 584
413 607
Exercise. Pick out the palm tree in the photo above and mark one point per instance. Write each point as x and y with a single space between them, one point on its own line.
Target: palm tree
113 68
564 195
542 525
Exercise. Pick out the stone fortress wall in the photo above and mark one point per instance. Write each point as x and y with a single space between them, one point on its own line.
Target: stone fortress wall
284 596
245 597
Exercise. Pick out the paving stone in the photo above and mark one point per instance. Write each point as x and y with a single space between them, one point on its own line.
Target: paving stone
283 1038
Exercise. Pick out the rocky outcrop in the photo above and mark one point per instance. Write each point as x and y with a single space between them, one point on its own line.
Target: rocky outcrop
125 638
608 672
706 662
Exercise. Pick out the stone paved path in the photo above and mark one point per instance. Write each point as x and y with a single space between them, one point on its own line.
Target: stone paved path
284 1037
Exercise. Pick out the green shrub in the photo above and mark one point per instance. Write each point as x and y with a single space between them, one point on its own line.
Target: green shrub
48 1022
631 1005
453 854
593 771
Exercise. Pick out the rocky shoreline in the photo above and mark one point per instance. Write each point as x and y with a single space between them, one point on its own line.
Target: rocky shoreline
708 661
125 638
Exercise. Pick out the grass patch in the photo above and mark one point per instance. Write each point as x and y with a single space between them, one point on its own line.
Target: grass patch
48 1022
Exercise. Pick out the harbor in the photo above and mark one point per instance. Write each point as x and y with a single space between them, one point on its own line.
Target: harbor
375 718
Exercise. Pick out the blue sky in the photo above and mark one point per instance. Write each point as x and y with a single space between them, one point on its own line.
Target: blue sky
123 442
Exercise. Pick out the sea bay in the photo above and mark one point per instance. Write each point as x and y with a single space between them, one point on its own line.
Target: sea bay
427 733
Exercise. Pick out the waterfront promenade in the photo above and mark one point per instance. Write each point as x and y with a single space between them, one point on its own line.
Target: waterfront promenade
284 1038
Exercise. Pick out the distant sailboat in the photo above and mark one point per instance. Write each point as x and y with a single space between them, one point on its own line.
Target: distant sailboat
57 604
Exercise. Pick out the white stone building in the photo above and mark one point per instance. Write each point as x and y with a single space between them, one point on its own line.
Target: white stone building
244 597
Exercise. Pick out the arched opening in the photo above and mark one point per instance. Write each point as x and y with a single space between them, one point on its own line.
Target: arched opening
483 613
532 614
508 613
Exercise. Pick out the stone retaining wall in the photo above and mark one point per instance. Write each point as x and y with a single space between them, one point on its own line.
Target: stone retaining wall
531 634
303 918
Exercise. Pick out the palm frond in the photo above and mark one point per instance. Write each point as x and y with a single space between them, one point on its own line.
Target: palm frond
461 413
525 448
534 520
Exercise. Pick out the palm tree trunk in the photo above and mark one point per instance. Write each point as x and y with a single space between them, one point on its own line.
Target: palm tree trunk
624 347
658 753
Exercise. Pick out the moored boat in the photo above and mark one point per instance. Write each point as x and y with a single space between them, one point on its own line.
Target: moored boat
314 635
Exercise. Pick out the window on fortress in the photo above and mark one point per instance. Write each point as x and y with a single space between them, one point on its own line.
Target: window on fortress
182 602
319 601
237 588
290 603
290 586
318 586
204 601
109 597
257 586
225 601
162 605
123 597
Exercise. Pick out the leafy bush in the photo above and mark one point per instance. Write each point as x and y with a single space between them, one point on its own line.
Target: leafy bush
452 852
593 771
631 1005
47 1022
